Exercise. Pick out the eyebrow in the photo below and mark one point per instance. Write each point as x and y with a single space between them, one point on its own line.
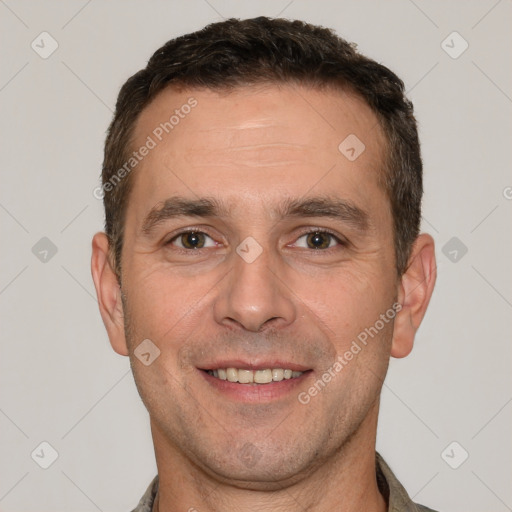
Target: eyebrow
180 207
334 208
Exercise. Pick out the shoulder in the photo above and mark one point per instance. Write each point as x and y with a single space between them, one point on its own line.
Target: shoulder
146 502
391 488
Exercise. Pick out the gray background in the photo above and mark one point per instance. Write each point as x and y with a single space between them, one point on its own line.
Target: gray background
60 380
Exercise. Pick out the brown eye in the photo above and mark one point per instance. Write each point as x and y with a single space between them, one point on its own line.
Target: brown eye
319 240
192 240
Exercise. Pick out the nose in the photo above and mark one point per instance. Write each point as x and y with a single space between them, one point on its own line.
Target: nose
255 296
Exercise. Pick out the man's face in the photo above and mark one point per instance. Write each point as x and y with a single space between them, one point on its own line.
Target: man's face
287 257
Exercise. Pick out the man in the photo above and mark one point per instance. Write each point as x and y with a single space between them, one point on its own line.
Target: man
262 261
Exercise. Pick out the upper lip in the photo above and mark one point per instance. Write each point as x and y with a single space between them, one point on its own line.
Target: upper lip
253 365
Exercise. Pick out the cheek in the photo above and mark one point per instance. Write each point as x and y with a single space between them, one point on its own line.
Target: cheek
346 301
165 302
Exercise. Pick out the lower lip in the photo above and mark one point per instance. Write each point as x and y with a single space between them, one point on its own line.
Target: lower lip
256 393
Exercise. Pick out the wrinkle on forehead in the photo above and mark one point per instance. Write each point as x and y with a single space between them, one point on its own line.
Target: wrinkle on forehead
294 133
303 110
255 144
253 155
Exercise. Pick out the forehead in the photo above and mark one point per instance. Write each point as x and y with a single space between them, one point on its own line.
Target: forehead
258 141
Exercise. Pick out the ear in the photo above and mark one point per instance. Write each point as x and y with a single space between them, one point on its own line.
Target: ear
415 289
108 292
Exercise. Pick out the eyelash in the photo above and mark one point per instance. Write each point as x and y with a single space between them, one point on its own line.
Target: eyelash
341 242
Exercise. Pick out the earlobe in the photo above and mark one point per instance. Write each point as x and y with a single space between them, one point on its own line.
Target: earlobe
415 290
108 292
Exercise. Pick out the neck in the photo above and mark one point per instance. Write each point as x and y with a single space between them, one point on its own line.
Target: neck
345 482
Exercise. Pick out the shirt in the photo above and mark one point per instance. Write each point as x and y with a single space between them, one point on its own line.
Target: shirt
395 495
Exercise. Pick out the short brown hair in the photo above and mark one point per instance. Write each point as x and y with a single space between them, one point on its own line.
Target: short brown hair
235 53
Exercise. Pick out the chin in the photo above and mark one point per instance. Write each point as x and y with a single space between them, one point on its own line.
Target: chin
264 467
261 479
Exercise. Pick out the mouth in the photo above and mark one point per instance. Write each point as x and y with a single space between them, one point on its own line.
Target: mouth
260 377
256 380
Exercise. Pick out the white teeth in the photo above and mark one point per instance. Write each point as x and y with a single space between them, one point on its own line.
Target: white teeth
277 374
246 376
263 376
258 376
232 374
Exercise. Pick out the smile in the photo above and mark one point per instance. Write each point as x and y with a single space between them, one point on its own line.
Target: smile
243 376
